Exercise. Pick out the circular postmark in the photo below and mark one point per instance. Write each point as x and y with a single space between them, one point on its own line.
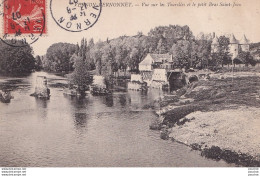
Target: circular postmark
75 15
22 21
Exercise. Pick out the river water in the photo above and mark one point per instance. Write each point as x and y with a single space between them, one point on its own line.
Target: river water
94 131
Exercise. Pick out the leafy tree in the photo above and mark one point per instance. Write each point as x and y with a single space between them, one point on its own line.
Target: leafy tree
201 52
38 63
80 76
222 55
162 46
172 34
58 57
16 60
182 52
96 54
246 58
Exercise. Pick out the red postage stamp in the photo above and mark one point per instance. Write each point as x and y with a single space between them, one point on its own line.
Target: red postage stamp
24 17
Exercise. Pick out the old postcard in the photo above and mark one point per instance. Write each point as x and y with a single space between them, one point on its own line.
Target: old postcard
129 83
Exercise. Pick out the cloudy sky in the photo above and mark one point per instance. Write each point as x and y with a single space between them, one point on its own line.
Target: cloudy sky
118 21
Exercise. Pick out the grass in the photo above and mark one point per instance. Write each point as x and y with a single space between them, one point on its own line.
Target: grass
213 95
216 153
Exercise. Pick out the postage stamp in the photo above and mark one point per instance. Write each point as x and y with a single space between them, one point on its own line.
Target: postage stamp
76 15
23 20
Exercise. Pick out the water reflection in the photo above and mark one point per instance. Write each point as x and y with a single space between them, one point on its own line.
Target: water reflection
42 107
78 112
122 100
84 132
77 102
108 100
80 120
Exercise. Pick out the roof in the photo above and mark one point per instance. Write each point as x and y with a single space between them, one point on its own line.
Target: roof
233 40
147 60
244 40
215 41
160 57
151 58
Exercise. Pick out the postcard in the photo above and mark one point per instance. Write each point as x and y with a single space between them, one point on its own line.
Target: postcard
129 83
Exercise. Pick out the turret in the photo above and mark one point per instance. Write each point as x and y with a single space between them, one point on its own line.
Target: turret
233 47
214 45
244 43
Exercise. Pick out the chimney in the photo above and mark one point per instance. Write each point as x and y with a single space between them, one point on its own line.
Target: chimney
213 35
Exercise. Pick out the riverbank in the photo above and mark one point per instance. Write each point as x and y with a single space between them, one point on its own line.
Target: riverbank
219 117
101 131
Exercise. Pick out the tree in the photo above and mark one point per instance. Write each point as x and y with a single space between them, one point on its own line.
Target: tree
58 57
182 52
16 60
222 55
38 63
246 58
80 76
172 34
200 53
162 46
96 54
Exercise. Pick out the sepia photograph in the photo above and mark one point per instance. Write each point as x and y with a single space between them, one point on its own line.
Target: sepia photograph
129 83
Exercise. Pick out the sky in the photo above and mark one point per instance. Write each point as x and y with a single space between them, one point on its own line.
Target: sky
117 21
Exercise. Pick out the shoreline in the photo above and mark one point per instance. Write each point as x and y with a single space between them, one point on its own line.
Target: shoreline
215 117
215 139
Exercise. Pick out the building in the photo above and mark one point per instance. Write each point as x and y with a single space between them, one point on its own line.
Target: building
157 70
214 45
152 61
235 46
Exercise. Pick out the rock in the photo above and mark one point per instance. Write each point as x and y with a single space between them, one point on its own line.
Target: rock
155 126
164 134
5 96
41 89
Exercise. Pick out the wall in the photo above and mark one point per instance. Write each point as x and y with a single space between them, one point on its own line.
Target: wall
159 75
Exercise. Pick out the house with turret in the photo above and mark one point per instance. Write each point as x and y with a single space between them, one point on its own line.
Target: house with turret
235 46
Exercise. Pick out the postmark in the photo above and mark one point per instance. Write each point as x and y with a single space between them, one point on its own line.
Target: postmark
75 15
23 21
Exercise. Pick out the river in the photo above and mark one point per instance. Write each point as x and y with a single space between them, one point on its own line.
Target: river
94 131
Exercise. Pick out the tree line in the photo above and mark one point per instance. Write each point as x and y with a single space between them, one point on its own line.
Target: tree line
108 57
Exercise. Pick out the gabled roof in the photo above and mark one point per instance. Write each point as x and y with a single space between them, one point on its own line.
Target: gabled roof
161 57
244 40
148 60
151 58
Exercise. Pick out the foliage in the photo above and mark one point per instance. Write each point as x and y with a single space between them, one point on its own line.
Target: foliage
222 56
246 58
38 63
16 60
126 52
58 57
80 76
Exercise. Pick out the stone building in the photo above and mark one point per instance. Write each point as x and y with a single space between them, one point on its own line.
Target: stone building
235 45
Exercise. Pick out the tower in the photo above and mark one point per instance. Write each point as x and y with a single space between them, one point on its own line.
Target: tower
214 45
244 44
233 47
